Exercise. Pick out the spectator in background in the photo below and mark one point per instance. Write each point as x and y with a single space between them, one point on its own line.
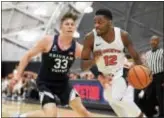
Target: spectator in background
5 83
19 90
89 76
78 76
73 76
15 72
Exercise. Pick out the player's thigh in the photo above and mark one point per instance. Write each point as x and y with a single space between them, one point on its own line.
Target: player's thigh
119 88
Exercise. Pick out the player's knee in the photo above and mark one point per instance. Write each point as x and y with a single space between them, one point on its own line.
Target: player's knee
50 110
75 103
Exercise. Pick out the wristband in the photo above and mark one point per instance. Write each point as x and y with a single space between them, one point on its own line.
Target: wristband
95 71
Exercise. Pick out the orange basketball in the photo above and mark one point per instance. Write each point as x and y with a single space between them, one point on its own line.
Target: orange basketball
139 77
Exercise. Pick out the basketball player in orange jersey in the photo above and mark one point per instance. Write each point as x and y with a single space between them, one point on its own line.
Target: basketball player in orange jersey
107 44
58 54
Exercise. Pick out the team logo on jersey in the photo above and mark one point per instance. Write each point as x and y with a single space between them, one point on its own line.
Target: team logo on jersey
70 53
54 48
98 44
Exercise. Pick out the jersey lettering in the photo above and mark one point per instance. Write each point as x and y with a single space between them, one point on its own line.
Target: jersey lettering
110 60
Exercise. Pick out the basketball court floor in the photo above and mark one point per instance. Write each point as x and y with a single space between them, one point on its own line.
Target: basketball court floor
9 108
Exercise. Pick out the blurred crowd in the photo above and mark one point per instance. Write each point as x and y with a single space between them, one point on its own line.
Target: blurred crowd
18 90
83 75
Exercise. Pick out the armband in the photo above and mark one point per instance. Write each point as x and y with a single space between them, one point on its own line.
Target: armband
95 71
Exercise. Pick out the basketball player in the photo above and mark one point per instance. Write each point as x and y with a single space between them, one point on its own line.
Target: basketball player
58 54
107 44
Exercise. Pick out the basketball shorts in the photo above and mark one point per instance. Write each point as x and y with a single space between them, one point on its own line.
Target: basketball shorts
121 98
120 90
52 94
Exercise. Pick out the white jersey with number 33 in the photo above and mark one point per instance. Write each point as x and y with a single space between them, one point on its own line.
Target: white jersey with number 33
112 59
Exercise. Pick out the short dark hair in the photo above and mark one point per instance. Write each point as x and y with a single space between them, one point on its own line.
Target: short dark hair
106 12
69 15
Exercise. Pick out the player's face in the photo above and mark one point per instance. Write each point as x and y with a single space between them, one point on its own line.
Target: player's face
101 24
68 27
154 43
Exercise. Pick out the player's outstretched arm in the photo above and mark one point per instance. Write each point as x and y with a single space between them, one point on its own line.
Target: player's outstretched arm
38 48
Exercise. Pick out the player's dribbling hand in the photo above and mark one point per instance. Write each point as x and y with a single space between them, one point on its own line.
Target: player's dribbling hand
97 55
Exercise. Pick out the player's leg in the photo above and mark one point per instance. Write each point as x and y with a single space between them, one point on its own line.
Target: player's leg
71 97
129 100
121 106
107 85
48 103
113 101
76 104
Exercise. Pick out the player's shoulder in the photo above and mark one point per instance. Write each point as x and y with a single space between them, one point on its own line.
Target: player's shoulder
89 39
126 38
124 32
45 41
89 35
48 37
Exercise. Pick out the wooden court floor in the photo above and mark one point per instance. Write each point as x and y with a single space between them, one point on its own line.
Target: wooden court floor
9 108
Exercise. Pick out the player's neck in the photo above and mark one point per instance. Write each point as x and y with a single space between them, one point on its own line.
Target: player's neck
109 34
66 40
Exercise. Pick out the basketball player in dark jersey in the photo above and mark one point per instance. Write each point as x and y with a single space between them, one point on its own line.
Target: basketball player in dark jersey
58 54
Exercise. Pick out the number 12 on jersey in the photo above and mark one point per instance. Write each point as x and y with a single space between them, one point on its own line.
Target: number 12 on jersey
110 60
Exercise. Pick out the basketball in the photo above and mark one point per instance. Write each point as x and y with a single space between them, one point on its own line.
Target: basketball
139 77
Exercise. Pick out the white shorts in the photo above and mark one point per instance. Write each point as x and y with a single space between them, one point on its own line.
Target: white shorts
120 90
121 98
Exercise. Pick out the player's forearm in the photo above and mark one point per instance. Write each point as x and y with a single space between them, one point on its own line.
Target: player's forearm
138 61
87 64
22 64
